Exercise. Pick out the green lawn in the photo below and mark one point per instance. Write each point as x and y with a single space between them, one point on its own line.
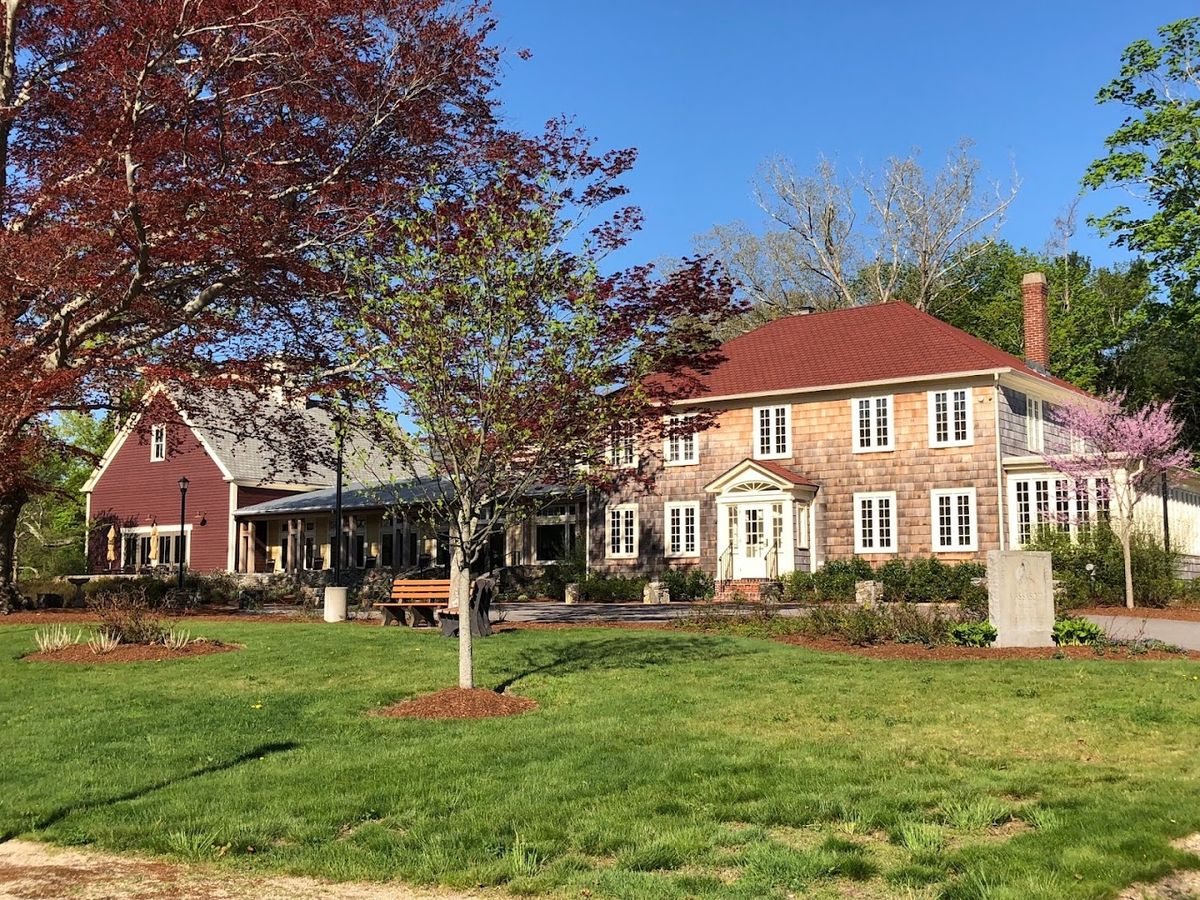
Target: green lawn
660 764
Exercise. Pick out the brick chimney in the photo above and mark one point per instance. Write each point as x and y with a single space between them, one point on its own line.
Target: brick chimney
1034 296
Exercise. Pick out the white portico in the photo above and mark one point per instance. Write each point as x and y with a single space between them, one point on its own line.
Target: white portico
765 523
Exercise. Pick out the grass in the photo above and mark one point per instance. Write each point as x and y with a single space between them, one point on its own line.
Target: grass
660 764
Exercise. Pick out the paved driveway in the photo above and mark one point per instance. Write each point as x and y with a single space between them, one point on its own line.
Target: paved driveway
1173 631
583 613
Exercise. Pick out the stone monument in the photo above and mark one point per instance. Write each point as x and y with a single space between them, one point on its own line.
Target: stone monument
1021 597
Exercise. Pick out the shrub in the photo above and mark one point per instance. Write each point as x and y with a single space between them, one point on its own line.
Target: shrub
799 587
863 626
974 634
611 588
912 626
835 580
893 575
928 580
973 602
688 584
125 617
1077 632
1154 581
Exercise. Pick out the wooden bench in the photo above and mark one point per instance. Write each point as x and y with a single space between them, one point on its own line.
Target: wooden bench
416 600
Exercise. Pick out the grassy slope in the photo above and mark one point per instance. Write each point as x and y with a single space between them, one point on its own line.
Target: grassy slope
659 765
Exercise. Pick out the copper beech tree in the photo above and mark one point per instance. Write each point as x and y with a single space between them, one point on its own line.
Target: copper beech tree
175 174
490 322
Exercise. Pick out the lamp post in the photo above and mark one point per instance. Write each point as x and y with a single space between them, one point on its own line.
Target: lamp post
183 486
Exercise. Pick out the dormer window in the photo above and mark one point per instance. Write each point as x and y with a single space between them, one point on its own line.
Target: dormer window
158 443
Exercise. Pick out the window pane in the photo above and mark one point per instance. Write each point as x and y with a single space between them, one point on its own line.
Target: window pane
964 520
781 429
881 422
941 422
866 518
551 542
945 523
960 416
689 530
884 513
1024 513
764 432
864 423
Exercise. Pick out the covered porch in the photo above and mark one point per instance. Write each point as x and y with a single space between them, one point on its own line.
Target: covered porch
766 522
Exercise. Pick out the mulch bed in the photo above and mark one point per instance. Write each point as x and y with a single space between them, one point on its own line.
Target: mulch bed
1178 613
949 653
459 703
82 653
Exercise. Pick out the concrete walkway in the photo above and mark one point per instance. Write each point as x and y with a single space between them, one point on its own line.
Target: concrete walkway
1130 627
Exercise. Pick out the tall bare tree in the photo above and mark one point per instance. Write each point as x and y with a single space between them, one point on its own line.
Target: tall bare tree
835 239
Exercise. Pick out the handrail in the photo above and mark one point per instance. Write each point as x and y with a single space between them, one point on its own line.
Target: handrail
725 565
773 562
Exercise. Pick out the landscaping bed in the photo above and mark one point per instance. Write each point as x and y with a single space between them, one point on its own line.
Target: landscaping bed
82 653
950 652
459 703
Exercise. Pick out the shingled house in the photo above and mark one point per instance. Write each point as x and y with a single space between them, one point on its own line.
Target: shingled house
879 431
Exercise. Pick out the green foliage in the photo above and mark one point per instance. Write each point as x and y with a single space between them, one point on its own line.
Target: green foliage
1092 310
799 587
1077 632
864 626
974 634
600 588
1154 568
50 530
125 617
692 583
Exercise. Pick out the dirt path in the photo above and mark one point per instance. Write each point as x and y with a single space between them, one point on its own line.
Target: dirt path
34 871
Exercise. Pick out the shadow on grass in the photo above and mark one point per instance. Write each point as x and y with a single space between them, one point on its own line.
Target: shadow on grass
567 657
63 812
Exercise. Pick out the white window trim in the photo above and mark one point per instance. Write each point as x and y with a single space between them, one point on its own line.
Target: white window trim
893 520
891 415
934 531
931 400
621 507
694 459
667 509
620 446
787 425
1035 425
157 432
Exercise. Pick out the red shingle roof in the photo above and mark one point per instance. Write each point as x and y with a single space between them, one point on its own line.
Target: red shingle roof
784 472
888 341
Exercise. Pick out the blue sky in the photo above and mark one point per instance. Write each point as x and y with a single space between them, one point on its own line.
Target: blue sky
707 90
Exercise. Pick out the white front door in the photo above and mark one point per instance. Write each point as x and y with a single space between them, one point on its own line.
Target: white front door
750 552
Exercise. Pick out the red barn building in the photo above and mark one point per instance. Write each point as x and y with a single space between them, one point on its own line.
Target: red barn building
234 449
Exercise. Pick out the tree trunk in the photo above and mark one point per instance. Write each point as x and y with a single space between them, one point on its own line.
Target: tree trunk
1127 553
460 595
11 504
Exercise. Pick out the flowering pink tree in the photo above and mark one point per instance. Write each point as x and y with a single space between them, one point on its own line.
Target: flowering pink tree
1129 449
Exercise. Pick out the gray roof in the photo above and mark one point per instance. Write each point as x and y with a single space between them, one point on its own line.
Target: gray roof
261 441
371 496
